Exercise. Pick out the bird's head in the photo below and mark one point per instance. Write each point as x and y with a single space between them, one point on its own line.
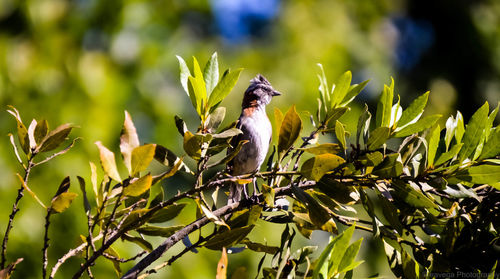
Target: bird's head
259 93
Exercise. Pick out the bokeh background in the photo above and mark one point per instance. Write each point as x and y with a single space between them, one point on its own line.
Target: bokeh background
86 61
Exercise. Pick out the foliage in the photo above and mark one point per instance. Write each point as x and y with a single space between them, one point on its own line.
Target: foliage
430 196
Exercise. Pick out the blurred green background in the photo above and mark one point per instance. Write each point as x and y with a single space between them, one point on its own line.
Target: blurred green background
86 61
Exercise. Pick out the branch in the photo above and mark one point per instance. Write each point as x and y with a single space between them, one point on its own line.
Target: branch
69 254
223 211
58 153
15 209
45 248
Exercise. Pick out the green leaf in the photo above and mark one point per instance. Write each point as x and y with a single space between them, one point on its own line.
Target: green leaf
340 248
108 162
268 194
354 91
460 129
197 89
229 156
449 155
491 119
138 186
341 88
128 141
166 157
290 130
228 238
390 167
322 262
54 138
116 263
139 241
374 158
158 231
384 106
492 146
473 132
193 144
324 91
41 130
61 202
215 119
185 73
481 174
167 213
363 125
229 133
411 196
316 167
335 114
223 88
411 269
413 112
378 137
340 134
22 132
211 73
142 157
324 148
433 142
347 263
418 126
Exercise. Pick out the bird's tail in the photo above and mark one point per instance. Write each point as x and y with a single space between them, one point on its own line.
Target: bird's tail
235 190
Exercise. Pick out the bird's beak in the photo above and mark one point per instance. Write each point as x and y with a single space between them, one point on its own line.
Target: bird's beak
276 93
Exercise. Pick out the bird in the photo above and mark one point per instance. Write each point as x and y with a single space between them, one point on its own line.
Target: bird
256 129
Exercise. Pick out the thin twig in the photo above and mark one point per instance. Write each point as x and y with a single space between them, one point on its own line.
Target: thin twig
45 248
58 153
69 254
121 260
15 209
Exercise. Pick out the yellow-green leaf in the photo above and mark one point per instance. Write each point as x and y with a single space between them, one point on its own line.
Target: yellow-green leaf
108 162
418 126
378 137
384 106
41 130
492 146
211 73
319 165
411 114
228 238
139 186
167 213
481 174
433 142
390 167
340 133
473 132
224 87
331 148
159 231
142 157
341 88
22 132
62 202
290 130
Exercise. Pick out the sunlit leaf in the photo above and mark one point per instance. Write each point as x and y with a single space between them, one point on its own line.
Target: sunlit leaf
211 73
54 138
341 88
335 114
378 137
444 157
62 202
144 244
411 196
340 134
331 148
492 146
227 133
316 167
354 91
340 248
184 74
128 141
31 134
433 143
473 132
41 130
460 128
347 263
142 157
418 126
139 186
290 130
22 132
108 162
411 114
384 106
224 87
481 174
